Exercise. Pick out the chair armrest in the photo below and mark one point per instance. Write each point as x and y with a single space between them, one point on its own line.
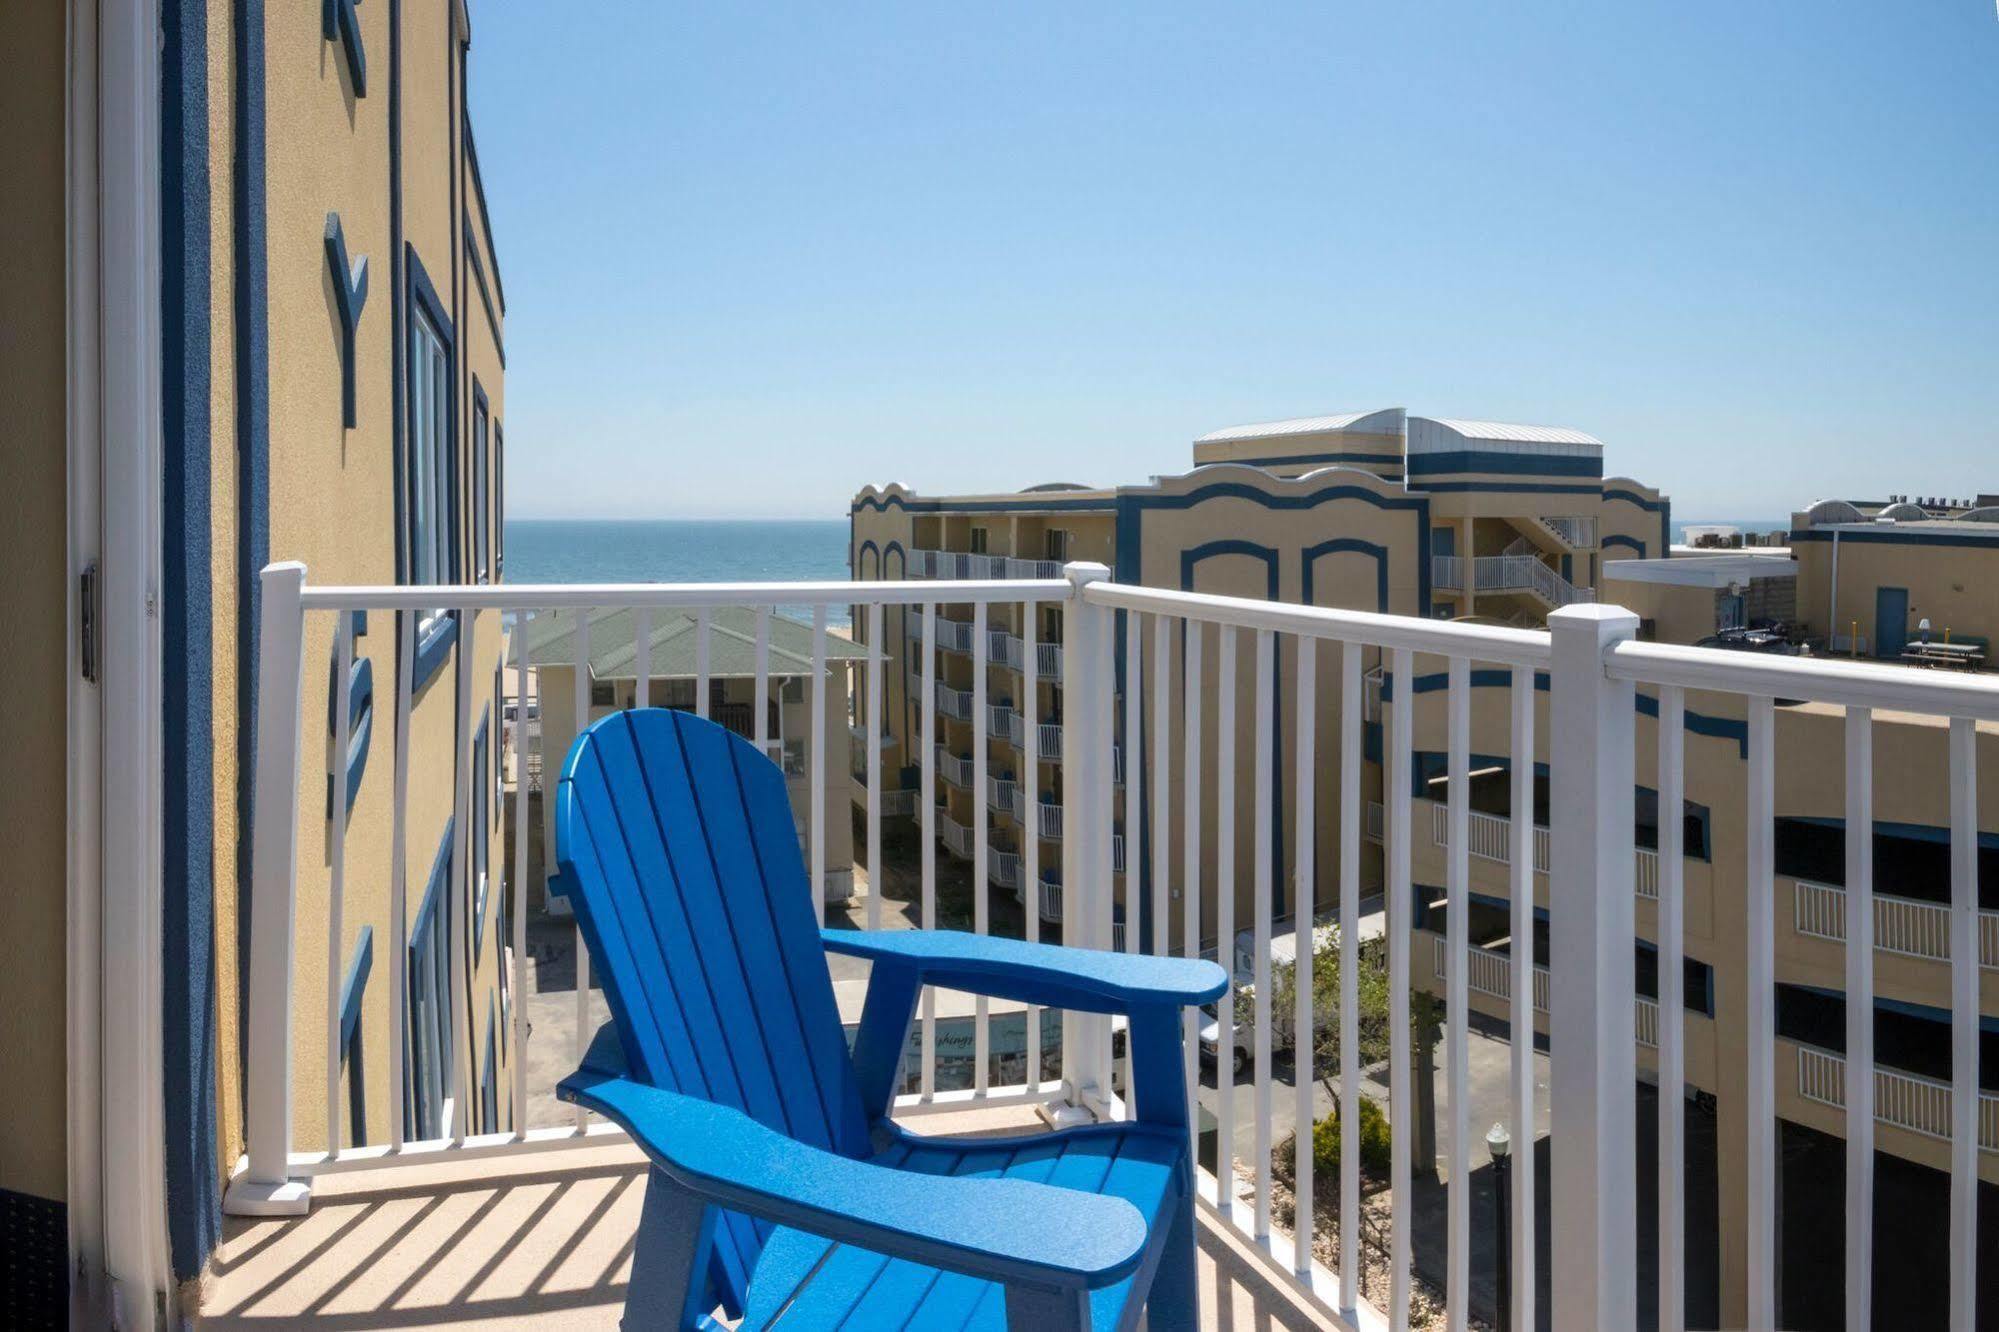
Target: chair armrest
1082 979
1005 1230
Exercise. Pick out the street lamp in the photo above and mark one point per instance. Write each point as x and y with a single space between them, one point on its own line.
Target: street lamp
1500 1144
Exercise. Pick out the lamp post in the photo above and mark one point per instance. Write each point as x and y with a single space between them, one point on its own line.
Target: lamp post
1500 1145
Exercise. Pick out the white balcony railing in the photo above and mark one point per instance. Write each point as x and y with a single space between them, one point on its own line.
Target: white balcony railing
1902 925
1003 648
1905 1100
955 768
955 564
1490 837
1578 532
1507 573
954 703
1490 972
1048 818
999 719
1227 651
1003 867
1001 792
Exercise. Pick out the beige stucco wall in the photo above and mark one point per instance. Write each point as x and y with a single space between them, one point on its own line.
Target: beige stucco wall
1954 587
33 546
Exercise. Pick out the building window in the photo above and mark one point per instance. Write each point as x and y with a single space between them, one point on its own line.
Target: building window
482 515
978 541
431 508
482 829
489 1077
499 500
1058 544
429 982
603 694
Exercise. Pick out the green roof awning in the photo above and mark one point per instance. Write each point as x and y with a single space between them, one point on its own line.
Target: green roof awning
732 644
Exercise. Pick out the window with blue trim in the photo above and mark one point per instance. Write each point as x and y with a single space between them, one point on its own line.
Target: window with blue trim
482 518
432 508
429 990
1910 860
489 1077
482 828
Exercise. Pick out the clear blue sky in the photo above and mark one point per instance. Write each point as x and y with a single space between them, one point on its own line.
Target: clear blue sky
757 255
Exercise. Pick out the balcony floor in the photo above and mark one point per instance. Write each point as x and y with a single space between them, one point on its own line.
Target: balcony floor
541 1241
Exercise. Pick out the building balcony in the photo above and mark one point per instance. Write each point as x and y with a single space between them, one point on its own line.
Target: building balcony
451 1205
954 703
968 566
1490 837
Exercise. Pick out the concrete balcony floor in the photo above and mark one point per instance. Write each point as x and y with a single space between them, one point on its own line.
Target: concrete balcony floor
544 1241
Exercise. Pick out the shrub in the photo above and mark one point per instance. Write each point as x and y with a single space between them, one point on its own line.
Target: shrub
1374 1143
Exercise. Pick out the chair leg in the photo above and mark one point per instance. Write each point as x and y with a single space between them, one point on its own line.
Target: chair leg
670 1260
1046 1310
1174 1303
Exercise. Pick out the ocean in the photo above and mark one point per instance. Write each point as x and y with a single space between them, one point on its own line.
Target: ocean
678 551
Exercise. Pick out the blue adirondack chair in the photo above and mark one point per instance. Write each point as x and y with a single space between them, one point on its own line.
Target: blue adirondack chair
780 1188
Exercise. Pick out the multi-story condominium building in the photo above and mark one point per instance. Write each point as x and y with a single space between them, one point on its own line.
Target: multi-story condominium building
1416 517
252 313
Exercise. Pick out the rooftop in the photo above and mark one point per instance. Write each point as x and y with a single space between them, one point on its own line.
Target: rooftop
1387 421
1705 570
732 638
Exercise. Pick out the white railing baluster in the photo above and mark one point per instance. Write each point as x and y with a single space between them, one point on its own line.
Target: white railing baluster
1859 933
981 843
1134 806
336 871
580 694
399 928
760 690
1592 1098
1964 1025
1225 831
520 884
1088 684
1162 809
701 617
927 1070
642 658
1030 795
1262 926
1457 1280
877 659
1401 1066
1672 1010
265 1188
1352 718
1193 684
459 1088
1304 899
1521 1005
816 747
1760 1012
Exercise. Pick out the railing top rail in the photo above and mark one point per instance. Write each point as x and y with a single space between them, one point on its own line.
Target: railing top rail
1815 679
593 596
1513 647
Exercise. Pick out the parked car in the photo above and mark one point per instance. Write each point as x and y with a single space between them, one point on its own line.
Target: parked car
1771 640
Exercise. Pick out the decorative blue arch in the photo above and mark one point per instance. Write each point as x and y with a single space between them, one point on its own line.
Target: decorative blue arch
1309 558
1617 540
860 560
1189 561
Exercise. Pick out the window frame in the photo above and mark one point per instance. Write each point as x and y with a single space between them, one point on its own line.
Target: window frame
431 505
482 484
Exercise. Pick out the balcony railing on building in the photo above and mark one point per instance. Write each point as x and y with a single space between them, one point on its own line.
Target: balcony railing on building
1506 573
1204 832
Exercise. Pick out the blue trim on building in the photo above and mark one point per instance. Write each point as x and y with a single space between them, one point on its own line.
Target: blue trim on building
1502 488
485 293
1646 705
433 648
1633 497
350 295
485 213
1886 535
360 715
339 23
1619 541
1492 463
1309 557
353 990
1270 556
1029 503
189 1039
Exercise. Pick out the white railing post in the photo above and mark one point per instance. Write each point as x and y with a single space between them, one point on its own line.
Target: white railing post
1086 824
263 1188
1592 1094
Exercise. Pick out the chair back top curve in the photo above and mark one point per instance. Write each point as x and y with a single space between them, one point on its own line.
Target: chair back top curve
678 850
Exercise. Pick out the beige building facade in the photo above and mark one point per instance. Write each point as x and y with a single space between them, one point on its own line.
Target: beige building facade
317 365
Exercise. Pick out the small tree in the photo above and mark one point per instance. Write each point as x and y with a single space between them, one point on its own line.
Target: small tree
1372 989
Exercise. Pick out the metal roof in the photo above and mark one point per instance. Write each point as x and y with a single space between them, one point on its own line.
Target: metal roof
1501 432
1387 421
1702 570
613 648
